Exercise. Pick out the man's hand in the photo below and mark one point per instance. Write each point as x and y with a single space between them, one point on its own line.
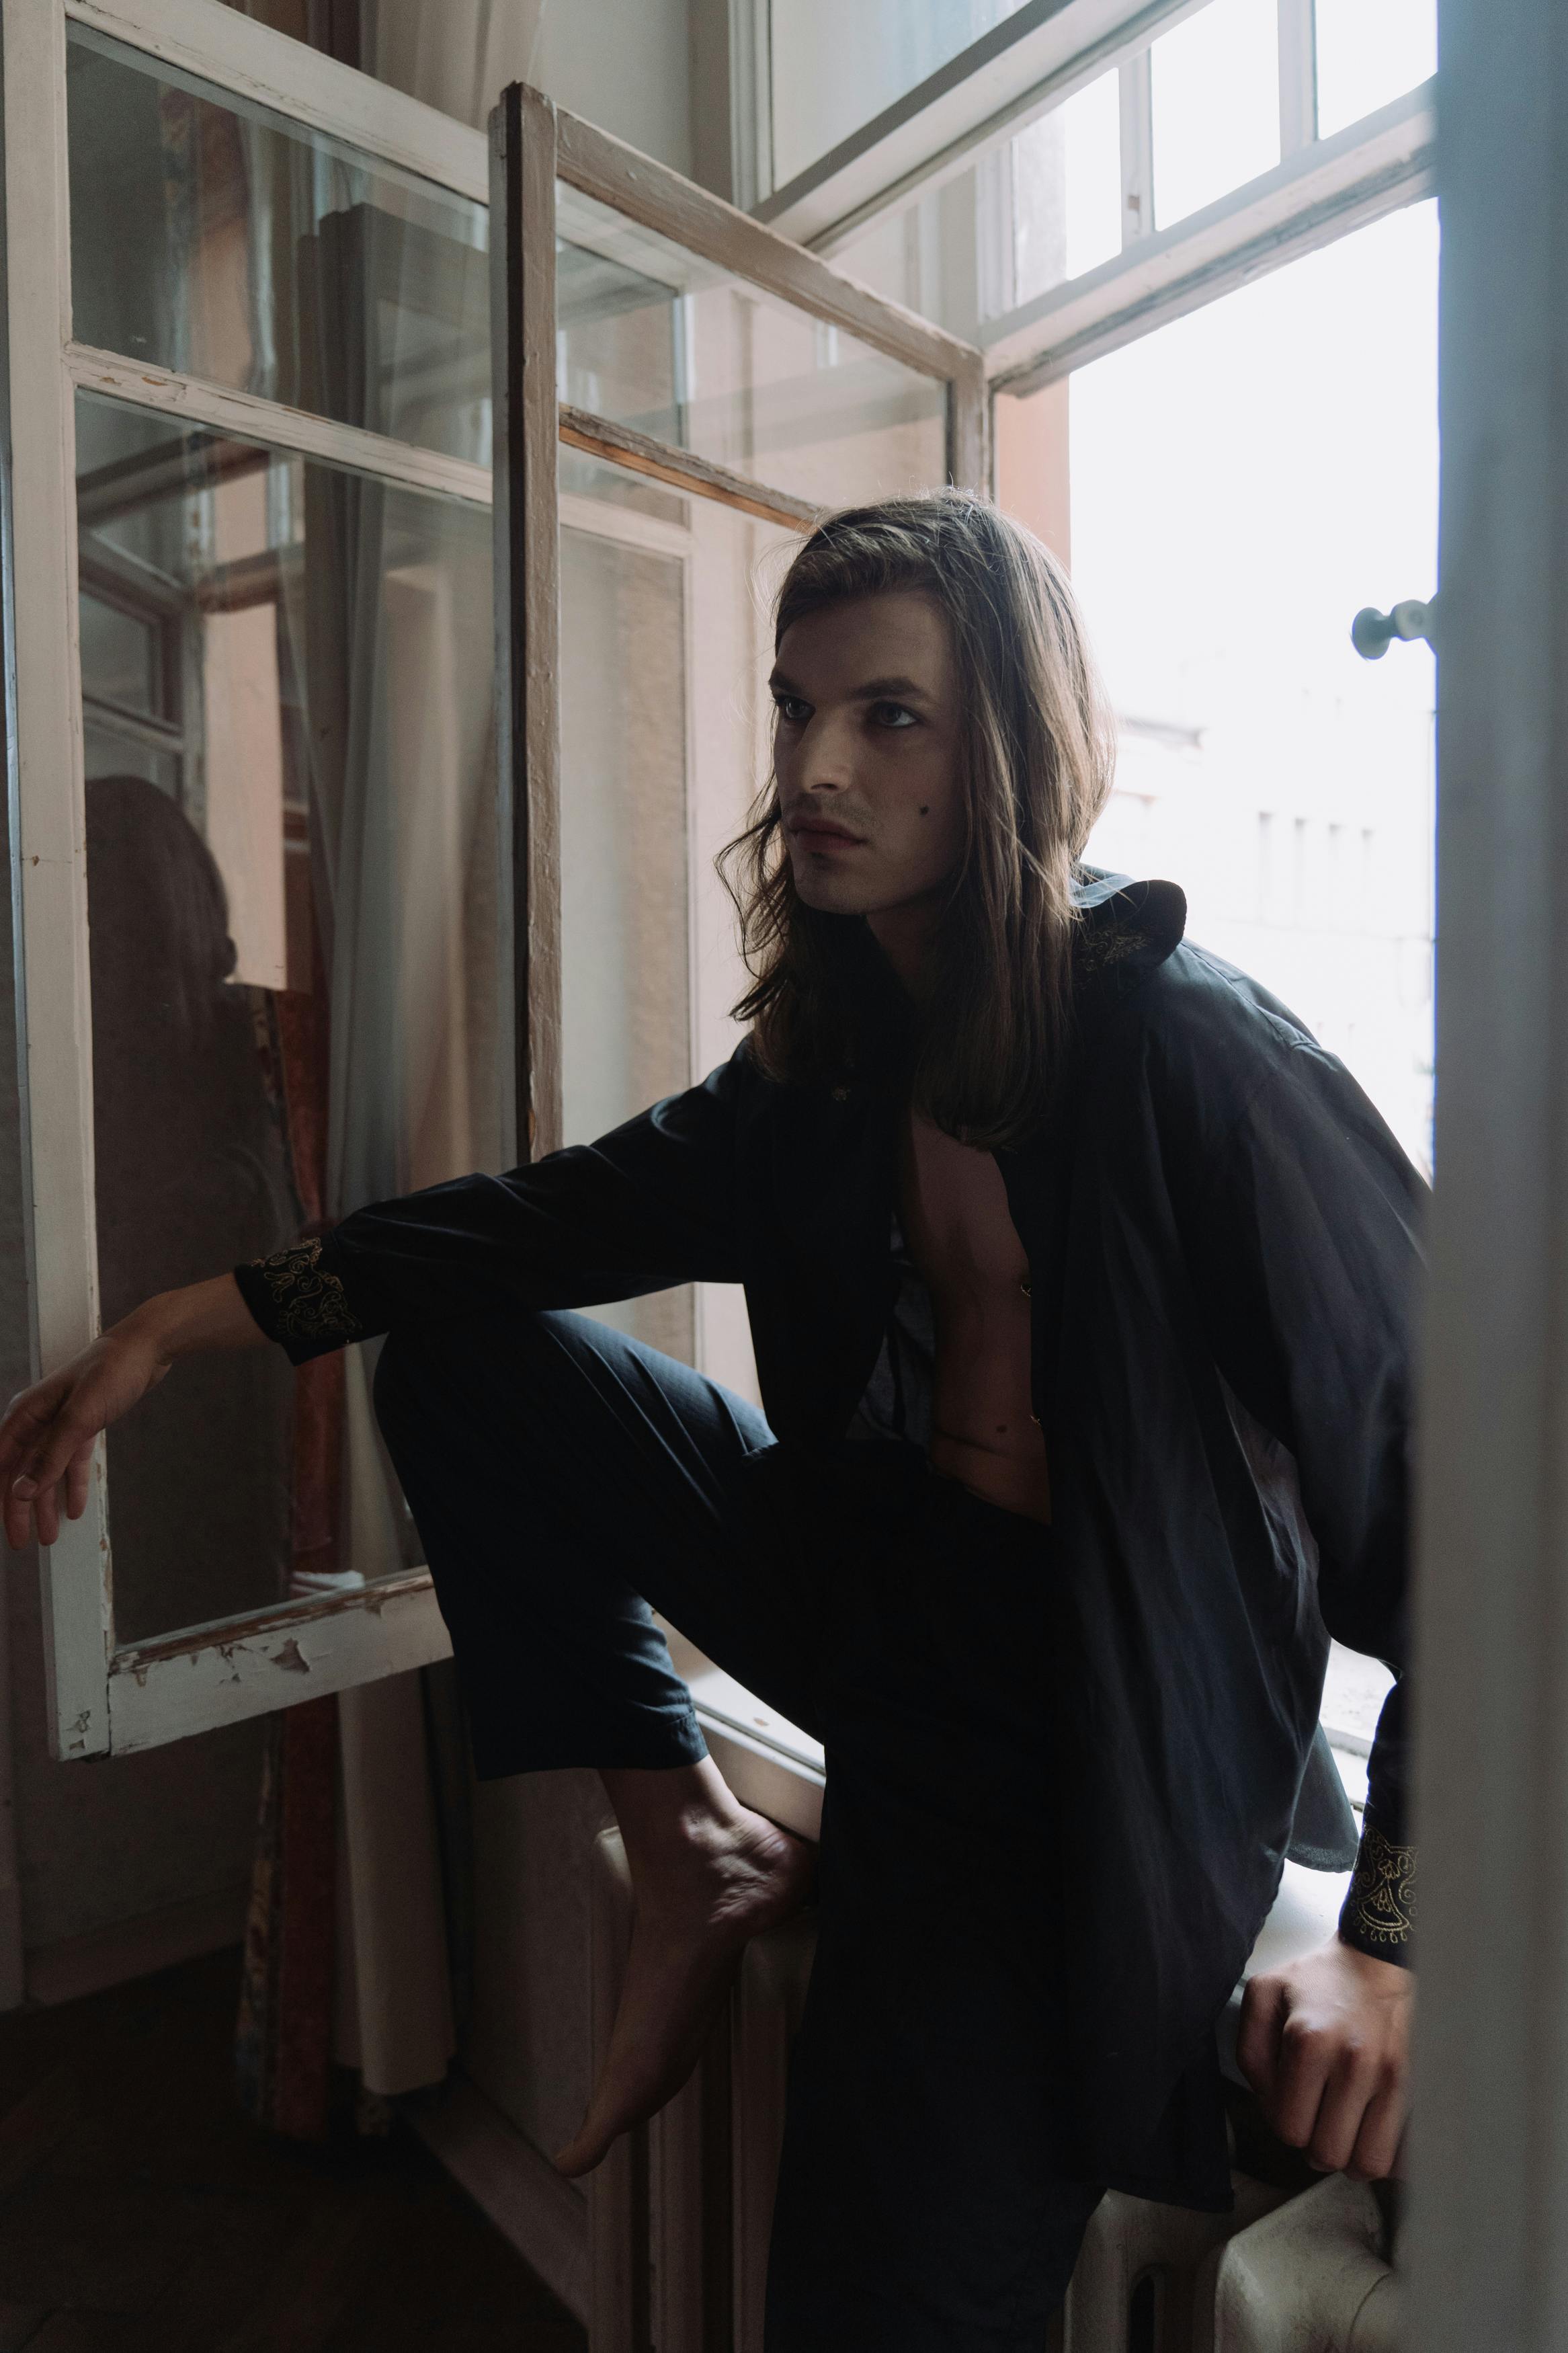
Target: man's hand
1325 2044
47 1432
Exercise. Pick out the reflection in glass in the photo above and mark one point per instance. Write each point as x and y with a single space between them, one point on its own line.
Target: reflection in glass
1215 104
1067 190
215 237
666 646
293 881
625 1017
1370 52
836 64
655 337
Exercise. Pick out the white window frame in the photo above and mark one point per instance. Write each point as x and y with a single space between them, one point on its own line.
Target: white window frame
1025 67
104 1696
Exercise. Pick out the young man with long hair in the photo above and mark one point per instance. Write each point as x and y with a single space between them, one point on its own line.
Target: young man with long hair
1079 1278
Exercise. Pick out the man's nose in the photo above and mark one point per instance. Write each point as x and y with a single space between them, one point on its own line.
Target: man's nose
827 754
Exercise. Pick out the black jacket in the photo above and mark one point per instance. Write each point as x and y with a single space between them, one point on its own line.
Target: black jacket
1223 1242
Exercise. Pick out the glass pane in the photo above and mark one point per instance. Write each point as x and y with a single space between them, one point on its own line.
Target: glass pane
664 723
210 236
837 63
1067 190
294 958
120 654
652 336
1370 51
1215 105
1230 514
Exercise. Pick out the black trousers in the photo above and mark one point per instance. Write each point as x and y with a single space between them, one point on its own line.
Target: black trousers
563 1478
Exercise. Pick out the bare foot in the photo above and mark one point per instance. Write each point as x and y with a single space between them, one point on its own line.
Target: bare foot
691 1920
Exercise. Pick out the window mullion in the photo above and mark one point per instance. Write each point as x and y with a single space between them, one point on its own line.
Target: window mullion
1298 76
1136 85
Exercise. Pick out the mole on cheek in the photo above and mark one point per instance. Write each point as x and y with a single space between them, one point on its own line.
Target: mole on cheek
925 808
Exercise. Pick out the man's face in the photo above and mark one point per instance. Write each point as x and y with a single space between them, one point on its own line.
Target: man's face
865 754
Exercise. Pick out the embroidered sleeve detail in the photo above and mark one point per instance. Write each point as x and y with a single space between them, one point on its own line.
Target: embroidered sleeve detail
305 1302
1110 943
1379 1914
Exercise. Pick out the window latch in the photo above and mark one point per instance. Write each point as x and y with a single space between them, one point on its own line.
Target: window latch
1372 632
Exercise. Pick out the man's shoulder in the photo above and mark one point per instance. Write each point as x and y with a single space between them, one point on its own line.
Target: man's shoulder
1140 975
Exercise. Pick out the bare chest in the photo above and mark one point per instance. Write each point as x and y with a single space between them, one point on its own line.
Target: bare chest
959 1229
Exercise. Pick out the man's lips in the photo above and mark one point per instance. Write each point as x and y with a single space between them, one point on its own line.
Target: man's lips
813 830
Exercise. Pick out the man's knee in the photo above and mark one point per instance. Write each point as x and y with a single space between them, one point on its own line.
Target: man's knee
425 1371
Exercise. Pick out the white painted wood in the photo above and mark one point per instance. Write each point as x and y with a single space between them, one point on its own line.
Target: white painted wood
55 1027
1135 92
269 69
625 526
649 192
1297 75
985 95
750 104
165 1690
224 410
544 2216
1489 2252
1316 195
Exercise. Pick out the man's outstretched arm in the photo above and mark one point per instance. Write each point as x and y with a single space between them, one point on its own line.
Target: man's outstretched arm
47 1433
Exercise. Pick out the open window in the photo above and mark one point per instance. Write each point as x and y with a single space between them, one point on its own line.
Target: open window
313 906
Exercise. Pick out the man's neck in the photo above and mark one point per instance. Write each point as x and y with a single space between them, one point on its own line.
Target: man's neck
905 935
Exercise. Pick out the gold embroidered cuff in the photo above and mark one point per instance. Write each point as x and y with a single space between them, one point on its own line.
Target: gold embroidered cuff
299 1302
1379 1914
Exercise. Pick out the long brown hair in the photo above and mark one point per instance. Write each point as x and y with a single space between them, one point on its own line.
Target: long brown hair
1037 750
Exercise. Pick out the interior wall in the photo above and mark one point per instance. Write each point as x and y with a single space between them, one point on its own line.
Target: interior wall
624 64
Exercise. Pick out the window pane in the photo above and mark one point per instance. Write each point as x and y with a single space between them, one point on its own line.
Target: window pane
1370 51
212 237
294 961
120 654
1230 514
837 63
1215 105
1067 190
665 740
652 336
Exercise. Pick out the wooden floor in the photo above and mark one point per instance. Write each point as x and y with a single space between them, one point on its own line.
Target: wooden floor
141 2213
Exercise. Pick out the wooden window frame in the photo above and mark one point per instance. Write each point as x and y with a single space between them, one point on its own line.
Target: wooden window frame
105 1696
535 144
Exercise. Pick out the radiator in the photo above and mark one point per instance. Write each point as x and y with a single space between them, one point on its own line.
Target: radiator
679 2214
1310 2278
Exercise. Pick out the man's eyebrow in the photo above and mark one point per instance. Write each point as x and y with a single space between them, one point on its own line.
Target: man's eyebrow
875 690
879 690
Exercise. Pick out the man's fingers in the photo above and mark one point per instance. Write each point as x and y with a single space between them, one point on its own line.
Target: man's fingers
1353 2083
47 1512
19 1521
68 1434
1263 2007
79 1474
1300 2082
1376 2152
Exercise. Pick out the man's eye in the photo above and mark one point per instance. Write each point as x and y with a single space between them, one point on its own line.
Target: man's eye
893 715
791 708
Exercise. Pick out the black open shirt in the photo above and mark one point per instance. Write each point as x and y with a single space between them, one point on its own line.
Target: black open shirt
1223 1239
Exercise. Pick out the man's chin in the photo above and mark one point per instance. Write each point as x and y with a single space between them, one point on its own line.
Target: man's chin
832 894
